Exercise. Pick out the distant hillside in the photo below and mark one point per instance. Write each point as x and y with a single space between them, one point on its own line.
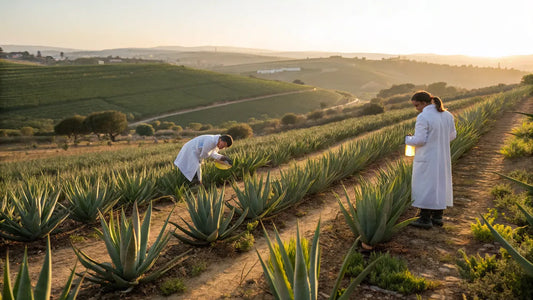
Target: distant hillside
139 90
364 77
210 56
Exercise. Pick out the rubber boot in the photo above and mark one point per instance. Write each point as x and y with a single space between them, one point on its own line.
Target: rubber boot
424 221
436 217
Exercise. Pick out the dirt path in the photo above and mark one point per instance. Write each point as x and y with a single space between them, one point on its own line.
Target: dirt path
185 111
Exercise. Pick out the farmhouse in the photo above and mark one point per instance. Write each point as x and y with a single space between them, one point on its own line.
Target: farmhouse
272 71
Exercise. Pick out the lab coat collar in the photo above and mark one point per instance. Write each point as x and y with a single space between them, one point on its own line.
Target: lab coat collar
428 107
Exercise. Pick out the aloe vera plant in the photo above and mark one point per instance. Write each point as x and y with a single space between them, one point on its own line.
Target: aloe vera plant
294 183
172 183
378 206
35 213
135 186
22 290
126 241
526 265
257 197
208 221
296 276
87 199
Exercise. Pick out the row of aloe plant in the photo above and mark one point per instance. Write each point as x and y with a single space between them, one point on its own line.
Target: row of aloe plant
274 150
141 187
378 205
373 219
263 198
121 281
526 265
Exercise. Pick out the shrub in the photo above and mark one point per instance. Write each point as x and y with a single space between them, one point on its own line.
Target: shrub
315 115
289 119
245 242
372 109
206 127
482 233
195 126
390 273
27 131
172 286
166 125
240 131
177 128
144 129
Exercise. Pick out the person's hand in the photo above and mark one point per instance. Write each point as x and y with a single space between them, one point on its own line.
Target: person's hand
227 159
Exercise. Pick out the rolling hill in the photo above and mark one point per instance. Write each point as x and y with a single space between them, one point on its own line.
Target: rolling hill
364 77
139 90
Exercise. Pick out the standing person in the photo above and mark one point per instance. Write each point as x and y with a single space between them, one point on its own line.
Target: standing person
190 157
431 187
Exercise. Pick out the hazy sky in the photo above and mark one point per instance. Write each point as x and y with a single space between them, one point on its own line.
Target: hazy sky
470 27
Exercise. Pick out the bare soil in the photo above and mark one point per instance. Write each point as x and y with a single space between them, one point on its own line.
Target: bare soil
231 275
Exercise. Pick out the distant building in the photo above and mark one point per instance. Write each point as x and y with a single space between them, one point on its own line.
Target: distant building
101 62
272 71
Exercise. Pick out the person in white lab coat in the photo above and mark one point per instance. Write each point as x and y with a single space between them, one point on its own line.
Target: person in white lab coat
189 159
431 187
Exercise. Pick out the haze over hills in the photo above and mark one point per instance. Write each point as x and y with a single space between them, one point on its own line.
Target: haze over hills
211 56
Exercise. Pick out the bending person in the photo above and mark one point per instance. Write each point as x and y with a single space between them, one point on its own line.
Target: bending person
191 155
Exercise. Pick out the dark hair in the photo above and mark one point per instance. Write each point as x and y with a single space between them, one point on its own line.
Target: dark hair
423 96
227 138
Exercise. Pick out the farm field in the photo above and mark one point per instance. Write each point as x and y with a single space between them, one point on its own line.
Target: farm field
52 93
227 271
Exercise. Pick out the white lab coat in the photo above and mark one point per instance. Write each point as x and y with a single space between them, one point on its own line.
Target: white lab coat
431 186
190 157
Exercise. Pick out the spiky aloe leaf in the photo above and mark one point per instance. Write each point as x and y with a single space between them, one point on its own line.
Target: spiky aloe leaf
44 283
525 114
7 291
526 265
529 217
523 184
86 198
23 288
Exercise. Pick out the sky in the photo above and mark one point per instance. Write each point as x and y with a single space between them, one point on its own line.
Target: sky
467 27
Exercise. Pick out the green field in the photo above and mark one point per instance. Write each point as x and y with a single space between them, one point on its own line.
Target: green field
139 90
274 107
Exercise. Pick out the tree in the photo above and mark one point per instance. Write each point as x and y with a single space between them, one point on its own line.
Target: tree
527 79
144 129
396 89
241 131
109 122
73 126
